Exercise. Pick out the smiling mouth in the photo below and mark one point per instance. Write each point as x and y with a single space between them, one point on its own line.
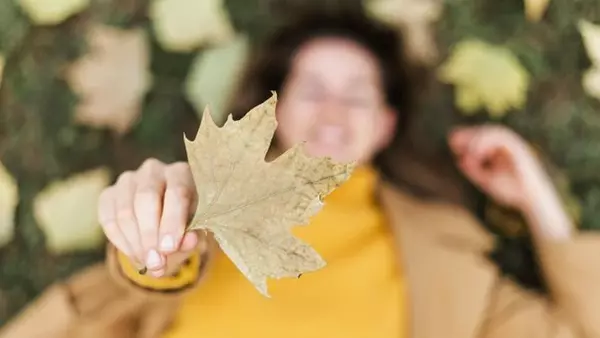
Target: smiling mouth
329 136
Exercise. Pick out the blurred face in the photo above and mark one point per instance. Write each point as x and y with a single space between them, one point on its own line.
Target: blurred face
333 99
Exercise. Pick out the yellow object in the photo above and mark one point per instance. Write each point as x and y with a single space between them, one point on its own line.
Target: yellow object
186 275
486 77
535 9
360 293
52 12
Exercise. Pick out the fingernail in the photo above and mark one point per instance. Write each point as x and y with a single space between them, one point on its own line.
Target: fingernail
167 243
153 259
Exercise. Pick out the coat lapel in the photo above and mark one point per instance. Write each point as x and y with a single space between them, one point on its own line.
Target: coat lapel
442 251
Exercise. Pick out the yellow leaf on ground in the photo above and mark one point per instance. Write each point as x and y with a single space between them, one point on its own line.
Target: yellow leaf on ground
183 25
51 12
2 61
66 211
415 18
213 77
591 39
535 9
112 78
486 77
250 205
591 82
9 198
468 99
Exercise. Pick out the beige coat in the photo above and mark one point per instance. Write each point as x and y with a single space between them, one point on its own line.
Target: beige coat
455 292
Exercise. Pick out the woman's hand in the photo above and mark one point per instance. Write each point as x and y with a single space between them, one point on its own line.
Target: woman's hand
144 215
502 164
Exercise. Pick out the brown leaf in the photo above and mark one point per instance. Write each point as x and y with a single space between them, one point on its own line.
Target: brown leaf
535 9
112 79
250 205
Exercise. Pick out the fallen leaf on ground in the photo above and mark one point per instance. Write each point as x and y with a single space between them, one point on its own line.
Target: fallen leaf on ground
2 61
591 39
51 12
535 9
250 205
415 18
9 198
486 77
183 25
66 211
213 76
112 78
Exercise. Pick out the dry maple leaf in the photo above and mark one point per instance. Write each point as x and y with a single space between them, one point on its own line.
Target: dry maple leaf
250 205
112 78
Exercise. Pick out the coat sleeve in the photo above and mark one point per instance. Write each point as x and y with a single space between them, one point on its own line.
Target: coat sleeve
87 304
190 273
572 271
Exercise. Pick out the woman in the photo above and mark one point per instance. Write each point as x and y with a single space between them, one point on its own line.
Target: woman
397 266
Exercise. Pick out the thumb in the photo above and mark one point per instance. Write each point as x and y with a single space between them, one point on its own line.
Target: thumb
189 246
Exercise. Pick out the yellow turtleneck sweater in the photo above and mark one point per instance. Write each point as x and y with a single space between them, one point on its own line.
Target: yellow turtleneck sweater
359 293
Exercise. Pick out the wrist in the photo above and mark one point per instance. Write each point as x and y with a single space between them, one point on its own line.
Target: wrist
542 206
544 210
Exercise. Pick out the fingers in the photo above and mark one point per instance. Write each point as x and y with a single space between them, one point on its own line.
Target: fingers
145 213
124 191
485 151
108 220
189 242
479 139
147 207
460 138
178 199
474 147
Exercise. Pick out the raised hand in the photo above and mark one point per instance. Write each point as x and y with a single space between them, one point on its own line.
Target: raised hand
144 215
502 164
